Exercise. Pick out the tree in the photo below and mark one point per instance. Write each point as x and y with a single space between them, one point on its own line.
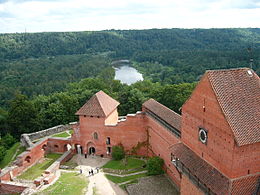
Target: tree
131 100
118 152
22 116
7 141
2 152
154 166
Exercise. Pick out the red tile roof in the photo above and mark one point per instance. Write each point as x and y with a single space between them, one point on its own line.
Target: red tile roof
246 185
171 117
238 93
208 175
99 104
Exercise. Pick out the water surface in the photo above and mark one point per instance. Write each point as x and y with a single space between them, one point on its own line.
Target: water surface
128 75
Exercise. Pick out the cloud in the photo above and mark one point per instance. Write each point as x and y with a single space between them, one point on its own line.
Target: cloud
77 15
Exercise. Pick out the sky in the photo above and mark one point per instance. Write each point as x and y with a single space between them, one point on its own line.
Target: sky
88 15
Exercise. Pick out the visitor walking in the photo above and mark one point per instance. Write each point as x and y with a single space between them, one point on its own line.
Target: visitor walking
92 172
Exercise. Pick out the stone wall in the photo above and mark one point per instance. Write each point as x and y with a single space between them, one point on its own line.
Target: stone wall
27 139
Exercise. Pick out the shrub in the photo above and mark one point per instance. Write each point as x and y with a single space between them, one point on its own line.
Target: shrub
154 166
118 152
8 140
2 153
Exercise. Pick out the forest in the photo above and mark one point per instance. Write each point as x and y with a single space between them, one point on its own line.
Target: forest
46 77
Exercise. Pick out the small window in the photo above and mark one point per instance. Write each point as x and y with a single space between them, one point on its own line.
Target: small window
95 135
203 135
108 141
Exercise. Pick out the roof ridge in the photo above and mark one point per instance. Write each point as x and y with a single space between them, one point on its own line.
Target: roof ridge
231 69
99 102
164 106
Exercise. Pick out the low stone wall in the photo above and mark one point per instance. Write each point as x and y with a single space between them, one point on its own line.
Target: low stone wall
27 139
122 172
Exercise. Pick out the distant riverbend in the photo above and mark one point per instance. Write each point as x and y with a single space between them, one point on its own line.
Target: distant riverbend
127 74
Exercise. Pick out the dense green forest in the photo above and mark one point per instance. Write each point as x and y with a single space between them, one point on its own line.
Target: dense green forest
46 77
43 63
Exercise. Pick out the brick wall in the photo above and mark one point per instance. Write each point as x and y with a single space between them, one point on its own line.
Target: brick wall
128 132
161 142
188 188
58 145
202 110
10 188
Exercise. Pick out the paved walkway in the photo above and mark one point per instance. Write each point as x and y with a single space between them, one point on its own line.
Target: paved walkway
98 182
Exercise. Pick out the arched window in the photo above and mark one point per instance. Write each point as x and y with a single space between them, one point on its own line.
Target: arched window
56 146
44 147
95 135
28 159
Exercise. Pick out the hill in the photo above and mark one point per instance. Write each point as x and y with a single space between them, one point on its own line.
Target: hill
43 63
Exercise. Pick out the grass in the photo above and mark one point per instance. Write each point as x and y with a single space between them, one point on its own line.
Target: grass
71 131
132 163
123 186
20 150
9 155
36 170
68 184
117 179
70 164
63 134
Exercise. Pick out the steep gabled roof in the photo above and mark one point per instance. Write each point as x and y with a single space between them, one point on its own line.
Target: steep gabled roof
166 114
238 94
99 104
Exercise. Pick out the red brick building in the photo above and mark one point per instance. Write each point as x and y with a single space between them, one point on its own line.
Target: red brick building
213 147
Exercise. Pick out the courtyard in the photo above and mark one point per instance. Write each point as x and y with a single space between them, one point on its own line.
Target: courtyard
112 178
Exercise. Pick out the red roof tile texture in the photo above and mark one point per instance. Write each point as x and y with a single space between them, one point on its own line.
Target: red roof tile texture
99 104
238 93
246 185
208 175
169 116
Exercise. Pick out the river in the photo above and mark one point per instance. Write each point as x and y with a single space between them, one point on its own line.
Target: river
127 74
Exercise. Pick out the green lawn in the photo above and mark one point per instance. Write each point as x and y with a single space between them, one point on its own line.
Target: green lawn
20 150
9 155
36 170
116 179
63 134
67 184
132 163
71 164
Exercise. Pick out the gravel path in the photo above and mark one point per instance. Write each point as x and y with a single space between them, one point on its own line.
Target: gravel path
153 185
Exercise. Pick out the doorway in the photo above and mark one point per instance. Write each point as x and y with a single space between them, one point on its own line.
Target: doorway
91 150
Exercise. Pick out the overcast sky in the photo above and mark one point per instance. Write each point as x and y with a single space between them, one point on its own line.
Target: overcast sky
81 15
